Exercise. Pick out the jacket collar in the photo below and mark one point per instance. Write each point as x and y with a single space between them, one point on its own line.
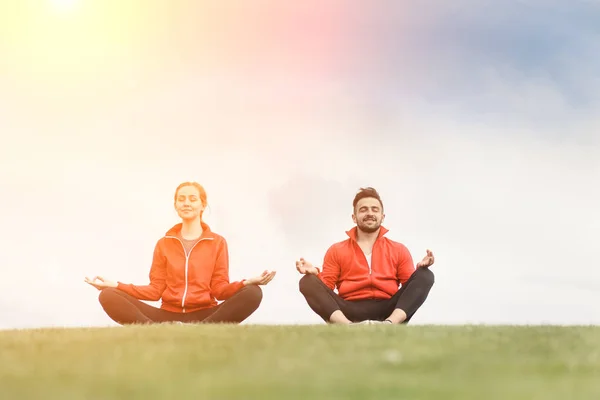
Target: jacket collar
352 233
176 230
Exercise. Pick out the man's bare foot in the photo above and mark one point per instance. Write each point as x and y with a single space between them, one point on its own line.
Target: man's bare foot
338 317
372 322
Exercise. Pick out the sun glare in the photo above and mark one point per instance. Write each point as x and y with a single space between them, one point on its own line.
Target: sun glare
64 5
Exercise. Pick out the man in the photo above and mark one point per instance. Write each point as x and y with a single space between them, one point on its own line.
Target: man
367 269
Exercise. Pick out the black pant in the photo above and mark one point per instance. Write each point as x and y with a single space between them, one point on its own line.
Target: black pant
324 301
125 309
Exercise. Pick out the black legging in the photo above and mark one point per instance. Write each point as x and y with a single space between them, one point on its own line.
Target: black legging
324 301
125 309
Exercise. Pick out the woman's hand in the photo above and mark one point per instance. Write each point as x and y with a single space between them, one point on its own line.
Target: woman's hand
100 283
262 279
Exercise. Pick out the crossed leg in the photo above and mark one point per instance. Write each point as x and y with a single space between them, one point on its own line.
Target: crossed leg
403 304
126 309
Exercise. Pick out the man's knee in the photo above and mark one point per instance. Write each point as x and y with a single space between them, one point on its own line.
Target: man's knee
425 276
308 281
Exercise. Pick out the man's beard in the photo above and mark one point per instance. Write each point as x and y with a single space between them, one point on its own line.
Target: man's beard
368 228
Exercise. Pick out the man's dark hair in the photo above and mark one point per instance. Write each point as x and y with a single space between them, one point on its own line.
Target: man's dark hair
364 193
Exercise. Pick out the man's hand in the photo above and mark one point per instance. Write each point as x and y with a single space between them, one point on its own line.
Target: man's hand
305 267
427 260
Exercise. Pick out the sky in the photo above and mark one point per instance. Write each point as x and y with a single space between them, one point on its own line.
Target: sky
477 122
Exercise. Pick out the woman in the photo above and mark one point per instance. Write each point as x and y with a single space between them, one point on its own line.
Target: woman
189 272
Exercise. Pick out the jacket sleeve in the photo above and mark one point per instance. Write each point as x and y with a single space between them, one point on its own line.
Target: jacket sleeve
331 269
220 287
406 266
158 279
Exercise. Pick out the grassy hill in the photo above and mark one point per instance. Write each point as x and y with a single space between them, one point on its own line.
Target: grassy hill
301 362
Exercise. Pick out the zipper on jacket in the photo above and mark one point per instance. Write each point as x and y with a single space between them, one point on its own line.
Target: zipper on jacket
369 264
187 259
365 258
370 269
371 276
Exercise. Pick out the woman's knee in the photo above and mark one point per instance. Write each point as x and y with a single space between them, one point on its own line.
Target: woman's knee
107 295
253 294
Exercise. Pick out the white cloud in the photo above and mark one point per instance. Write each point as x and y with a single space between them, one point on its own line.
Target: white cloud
507 200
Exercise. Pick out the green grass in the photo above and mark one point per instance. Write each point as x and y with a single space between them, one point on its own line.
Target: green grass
301 362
